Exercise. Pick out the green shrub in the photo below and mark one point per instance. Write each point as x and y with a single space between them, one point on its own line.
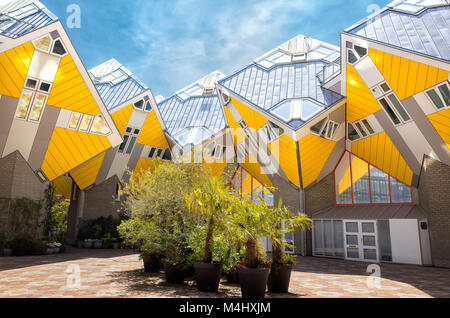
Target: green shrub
39 247
21 245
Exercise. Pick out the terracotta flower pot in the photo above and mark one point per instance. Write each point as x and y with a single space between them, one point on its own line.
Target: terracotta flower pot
279 279
208 276
253 282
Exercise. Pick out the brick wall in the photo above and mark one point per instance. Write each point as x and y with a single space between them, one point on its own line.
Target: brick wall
320 196
434 195
99 200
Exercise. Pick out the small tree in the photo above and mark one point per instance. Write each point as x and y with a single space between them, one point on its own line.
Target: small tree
250 217
212 201
283 221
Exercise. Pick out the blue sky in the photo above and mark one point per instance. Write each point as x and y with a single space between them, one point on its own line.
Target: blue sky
169 44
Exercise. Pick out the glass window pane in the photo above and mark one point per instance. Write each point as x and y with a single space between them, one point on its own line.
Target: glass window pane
43 43
343 182
384 240
58 48
379 182
318 241
31 83
100 126
361 130
73 123
368 127
45 87
148 106
385 87
152 153
24 104
139 104
338 238
124 143
400 192
369 240
437 101
131 145
317 128
351 57
38 106
352 239
360 175
352 252
167 155
399 107
368 227
389 111
351 227
352 134
328 238
445 93
85 122
309 109
370 254
361 51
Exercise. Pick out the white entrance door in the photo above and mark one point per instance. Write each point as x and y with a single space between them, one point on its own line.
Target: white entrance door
361 241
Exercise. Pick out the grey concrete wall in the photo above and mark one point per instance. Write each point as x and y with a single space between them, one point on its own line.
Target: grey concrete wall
434 185
99 200
8 106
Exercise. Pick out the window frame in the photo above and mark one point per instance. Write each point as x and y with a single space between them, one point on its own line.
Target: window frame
369 165
438 92
127 142
385 95
34 92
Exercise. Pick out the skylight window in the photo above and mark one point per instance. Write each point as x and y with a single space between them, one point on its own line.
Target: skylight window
277 57
297 109
193 135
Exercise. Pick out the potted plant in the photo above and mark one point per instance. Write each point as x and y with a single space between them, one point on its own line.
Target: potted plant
249 217
144 233
50 248
283 221
211 201
177 257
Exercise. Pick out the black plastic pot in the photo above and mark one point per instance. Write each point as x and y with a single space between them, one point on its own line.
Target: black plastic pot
208 276
253 282
233 277
173 275
152 263
279 279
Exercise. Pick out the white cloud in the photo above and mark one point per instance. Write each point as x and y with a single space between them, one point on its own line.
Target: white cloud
192 38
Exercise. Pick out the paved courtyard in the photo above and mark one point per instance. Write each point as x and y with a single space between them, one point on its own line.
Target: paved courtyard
119 273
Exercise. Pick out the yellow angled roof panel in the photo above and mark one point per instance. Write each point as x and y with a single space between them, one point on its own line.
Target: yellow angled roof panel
69 90
85 175
388 158
406 77
441 122
121 118
69 148
360 101
63 187
252 118
314 153
284 150
14 65
152 134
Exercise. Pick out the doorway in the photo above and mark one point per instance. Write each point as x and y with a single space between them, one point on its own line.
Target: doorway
361 241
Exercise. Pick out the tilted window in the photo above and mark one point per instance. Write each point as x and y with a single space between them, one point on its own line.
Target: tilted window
33 100
358 182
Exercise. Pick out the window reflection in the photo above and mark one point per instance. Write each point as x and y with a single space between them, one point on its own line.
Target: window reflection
358 182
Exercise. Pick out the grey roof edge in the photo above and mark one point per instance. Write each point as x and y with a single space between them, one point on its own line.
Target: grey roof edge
398 47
